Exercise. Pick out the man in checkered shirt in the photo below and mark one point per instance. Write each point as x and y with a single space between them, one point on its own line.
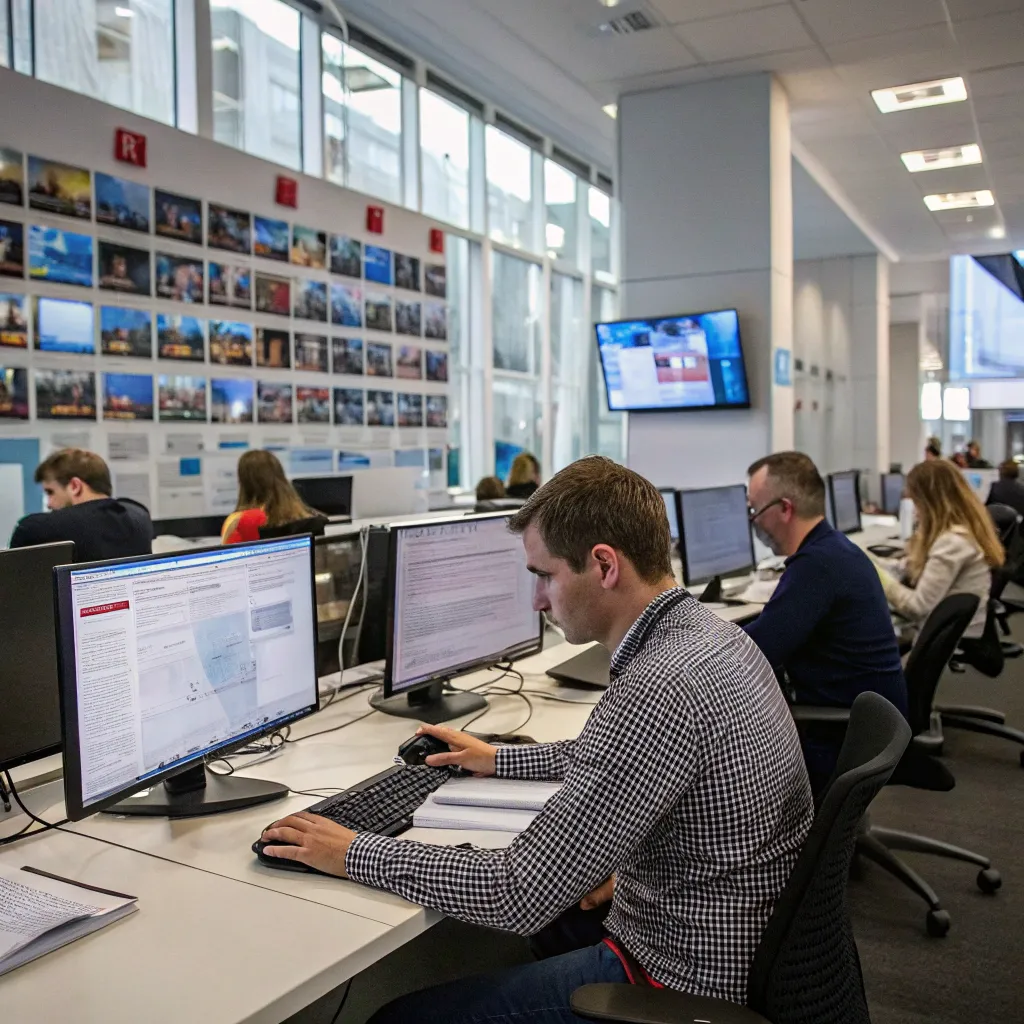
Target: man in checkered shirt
687 783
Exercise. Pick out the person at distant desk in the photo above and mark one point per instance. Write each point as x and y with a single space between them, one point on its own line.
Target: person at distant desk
686 783
932 450
1008 490
78 493
490 488
265 498
523 477
974 459
827 625
953 550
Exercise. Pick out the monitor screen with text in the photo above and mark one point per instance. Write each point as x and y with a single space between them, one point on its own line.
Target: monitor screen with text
845 501
716 536
463 597
892 492
166 660
669 497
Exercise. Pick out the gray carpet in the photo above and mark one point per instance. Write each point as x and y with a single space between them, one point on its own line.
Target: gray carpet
974 973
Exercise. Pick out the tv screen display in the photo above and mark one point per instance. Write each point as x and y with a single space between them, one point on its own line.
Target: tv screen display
693 361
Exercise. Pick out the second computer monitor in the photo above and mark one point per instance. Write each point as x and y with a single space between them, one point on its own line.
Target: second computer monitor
461 598
843 487
715 534
331 495
668 495
892 492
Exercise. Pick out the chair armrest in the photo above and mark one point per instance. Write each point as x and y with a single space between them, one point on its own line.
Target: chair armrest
641 1004
803 713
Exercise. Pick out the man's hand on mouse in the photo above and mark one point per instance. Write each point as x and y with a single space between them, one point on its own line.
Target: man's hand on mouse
314 841
465 751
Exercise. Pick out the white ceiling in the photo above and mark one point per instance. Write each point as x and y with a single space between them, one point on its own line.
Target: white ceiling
547 62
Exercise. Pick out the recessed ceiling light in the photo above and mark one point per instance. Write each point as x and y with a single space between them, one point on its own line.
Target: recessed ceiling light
611 109
609 3
959 200
124 12
936 159
921 94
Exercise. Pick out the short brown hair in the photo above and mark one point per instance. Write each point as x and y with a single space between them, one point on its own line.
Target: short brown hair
489 488
793 475
68 463
1009 470
596 501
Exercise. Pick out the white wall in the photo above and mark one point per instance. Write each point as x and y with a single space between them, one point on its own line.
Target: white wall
47 121
906 430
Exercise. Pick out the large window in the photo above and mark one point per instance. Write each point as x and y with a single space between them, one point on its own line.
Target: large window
599 209
510 190
516 305
256 78
444 155
362 121
568 371
561 231
606 430
518 423
120 53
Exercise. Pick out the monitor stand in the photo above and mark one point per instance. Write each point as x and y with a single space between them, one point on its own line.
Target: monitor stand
712 592
195 792
429 704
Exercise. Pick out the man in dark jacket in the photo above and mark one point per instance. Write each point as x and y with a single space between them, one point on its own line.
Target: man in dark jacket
78 494
1008 490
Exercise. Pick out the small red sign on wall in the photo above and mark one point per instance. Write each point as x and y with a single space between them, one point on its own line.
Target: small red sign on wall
287 192
130 147
375 219
436 240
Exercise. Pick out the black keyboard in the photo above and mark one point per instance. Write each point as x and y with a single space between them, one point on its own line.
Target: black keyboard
383 803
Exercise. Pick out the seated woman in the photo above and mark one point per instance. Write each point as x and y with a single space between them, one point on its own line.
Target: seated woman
523 477
953 550
489 488
265 498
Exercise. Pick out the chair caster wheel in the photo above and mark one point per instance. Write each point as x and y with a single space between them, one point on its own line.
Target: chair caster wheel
989 880
938 923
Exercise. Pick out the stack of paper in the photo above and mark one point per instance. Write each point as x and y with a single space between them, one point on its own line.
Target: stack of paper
489 805
40 913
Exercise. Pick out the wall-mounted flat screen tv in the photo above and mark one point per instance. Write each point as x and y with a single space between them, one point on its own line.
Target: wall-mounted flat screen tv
667 363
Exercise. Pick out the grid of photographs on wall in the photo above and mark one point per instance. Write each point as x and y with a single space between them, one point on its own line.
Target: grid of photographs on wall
371 300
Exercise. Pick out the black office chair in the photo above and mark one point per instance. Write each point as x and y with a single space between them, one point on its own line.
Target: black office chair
1010 526
312 524
806 969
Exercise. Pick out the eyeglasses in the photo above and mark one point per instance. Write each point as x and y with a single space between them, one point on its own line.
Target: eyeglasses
755 513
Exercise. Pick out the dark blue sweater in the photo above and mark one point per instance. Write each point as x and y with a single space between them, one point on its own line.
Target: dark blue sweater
828 626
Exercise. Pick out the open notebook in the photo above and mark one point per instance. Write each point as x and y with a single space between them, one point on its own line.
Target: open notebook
490 805
40 913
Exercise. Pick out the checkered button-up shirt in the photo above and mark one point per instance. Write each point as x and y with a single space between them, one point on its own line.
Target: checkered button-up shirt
687 783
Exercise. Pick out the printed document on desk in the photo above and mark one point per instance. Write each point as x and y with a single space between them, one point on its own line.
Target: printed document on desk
513 794
40 913
432 814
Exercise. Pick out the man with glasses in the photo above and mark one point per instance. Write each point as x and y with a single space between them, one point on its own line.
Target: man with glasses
827 628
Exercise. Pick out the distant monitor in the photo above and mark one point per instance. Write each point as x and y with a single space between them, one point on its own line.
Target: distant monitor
460 598
892 492
331 495
668 495
715 534
845 492
387 492
188 528
166 662
691 361
29 697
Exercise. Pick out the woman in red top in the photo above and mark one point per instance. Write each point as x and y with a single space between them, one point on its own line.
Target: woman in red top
265 498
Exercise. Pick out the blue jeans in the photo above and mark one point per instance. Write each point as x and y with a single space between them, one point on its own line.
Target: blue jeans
528 994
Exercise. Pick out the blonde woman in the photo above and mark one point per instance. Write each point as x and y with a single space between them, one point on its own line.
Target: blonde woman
523 477
953 551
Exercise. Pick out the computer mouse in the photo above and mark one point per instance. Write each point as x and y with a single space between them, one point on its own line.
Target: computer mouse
279 862
418 748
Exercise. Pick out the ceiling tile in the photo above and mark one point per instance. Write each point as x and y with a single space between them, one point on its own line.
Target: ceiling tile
746 34
1010 148
996 108
676 11
931 39
952 179
964 10
839 21
1002 81
990 42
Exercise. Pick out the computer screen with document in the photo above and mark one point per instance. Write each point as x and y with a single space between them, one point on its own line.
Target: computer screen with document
845 500
166 661
668 495
715 534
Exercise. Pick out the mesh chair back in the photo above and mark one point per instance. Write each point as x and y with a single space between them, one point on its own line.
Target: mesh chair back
806 969
934 647
313 524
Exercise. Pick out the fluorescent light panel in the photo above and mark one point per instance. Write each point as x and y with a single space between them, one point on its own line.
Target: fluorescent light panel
920 94
959 200
937 159
611 109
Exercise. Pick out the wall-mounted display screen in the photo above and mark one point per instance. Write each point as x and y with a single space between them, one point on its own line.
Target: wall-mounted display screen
693 361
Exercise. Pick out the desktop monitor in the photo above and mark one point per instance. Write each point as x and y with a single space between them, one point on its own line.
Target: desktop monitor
668 495
29 698
331 495
892 492
844 490
167 662
460 598
715 534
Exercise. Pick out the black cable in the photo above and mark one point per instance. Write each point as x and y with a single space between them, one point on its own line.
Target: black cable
563 700
341 1005
344 725
322 793
25 833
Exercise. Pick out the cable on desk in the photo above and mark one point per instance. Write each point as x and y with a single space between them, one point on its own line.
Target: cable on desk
341 1005
25 833
323 793
348 615
335 728
563 700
